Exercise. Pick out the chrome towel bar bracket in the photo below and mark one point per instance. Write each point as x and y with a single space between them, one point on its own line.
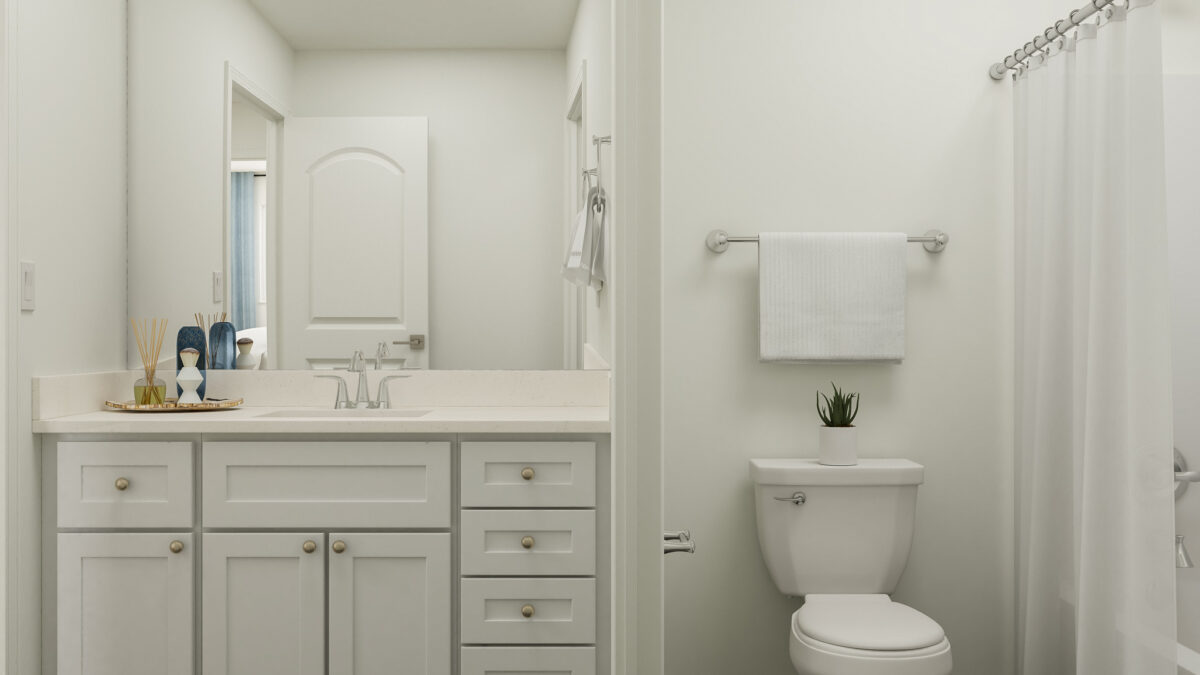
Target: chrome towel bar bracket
718 241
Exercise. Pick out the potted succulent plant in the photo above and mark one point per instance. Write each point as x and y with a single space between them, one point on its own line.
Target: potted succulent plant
839 437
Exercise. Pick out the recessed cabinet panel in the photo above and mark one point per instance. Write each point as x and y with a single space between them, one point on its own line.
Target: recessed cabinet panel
528 611
528 474
125 604
389 603
124 484
264 604
327 484
528 543
528 661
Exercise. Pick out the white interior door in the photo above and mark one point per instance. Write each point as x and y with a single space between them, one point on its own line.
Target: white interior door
353 245
124 604
389 603
264 604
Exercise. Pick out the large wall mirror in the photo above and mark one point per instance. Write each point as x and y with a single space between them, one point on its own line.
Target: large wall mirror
422 181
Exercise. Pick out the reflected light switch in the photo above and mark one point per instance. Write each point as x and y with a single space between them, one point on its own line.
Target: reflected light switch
28 287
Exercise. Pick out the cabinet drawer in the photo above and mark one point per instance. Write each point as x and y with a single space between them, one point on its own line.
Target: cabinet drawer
124 484
528 661
539 474
529 543
563 611
326 484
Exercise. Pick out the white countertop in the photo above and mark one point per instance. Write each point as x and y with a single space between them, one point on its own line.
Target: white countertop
454 420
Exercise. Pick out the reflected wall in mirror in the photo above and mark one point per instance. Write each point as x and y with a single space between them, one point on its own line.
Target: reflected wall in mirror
402 178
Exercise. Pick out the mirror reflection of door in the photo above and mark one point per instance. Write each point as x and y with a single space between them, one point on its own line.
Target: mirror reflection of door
250 137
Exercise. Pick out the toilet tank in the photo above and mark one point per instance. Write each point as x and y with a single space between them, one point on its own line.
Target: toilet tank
851 534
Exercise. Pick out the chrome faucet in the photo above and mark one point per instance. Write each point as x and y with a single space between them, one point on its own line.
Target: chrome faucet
380 352
343 397
358 365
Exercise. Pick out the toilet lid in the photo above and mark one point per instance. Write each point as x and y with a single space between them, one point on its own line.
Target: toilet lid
866 622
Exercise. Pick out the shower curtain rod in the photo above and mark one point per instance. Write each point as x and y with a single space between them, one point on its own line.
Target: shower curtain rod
998 70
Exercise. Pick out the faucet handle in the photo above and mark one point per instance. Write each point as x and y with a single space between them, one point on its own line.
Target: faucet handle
357 362
384 400
343 395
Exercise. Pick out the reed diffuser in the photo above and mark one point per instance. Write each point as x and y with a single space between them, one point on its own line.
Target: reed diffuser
149 390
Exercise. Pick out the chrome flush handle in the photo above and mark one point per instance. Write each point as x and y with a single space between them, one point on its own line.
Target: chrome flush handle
797 498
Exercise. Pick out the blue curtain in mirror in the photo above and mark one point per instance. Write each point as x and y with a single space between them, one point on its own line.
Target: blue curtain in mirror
241 204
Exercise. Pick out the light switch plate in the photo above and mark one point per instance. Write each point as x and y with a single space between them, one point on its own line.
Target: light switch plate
218 287
28 286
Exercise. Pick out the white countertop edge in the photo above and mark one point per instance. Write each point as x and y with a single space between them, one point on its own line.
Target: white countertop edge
540 420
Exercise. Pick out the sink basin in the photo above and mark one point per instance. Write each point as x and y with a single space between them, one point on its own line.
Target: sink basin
333 413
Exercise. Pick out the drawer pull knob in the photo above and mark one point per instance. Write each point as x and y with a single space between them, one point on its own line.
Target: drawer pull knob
338 546
527 473
176 546
122 483
309 546
527 542
527 611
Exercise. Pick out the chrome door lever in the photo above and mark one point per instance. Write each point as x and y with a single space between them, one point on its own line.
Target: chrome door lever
681 535
679 541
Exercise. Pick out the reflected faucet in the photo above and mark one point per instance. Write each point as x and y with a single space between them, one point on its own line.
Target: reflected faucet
1182 559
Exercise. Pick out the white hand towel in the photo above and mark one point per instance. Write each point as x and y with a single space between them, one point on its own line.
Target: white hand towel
830 297
576 267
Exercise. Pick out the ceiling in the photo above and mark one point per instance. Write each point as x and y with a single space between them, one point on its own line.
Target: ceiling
421 24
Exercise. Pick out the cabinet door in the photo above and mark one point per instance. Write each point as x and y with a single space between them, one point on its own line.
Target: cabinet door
124 604
389 604
264 604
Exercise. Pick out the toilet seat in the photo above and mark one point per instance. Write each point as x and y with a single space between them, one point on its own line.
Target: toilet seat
866 635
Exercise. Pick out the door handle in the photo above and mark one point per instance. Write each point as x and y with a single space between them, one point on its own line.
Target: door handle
415 341
678 542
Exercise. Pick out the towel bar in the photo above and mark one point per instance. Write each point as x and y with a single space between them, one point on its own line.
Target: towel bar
719 240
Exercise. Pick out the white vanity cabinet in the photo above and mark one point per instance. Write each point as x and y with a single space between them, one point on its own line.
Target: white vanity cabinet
125 604
221 555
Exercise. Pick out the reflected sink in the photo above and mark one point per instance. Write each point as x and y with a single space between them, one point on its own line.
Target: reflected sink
332 413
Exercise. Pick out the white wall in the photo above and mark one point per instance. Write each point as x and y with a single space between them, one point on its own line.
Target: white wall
591 41
177 177
70 152
837 116
495 176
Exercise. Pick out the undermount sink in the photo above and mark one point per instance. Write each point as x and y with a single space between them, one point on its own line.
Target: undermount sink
334 413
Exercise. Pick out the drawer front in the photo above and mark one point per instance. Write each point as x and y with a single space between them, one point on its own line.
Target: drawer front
536 474
529 543
528 661
563 611
326 484
124 484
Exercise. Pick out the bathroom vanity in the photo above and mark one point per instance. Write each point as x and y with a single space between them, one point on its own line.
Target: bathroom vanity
265 540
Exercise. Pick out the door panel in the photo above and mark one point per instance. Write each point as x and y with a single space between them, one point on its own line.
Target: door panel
389 604
354 240
264 604
124 604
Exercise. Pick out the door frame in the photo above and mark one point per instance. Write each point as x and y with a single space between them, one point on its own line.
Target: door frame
637 406
575 133
238 83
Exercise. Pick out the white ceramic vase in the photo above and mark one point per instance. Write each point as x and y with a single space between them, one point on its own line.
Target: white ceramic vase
246 360
189 377
839 446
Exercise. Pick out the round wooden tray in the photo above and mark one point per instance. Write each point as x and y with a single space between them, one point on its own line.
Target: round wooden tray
173 405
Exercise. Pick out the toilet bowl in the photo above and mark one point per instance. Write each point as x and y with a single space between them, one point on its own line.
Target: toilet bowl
839 537
866 635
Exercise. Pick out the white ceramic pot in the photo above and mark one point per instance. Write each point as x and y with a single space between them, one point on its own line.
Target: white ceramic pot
839 446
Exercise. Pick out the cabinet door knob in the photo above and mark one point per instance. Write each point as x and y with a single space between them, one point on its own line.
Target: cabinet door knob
338 546
309 546
527 611
121 483
176 546
527 542
527 473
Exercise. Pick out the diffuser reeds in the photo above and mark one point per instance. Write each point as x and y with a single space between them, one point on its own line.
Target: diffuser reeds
149 334
205 322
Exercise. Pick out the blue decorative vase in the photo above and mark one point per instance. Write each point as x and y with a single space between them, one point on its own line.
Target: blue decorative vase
222 341
192 336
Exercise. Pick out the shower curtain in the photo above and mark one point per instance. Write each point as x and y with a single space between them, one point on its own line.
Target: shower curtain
241 268
1096 576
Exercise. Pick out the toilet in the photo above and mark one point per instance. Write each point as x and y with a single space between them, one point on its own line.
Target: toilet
839 537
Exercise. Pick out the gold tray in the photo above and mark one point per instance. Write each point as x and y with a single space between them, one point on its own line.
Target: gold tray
173 405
